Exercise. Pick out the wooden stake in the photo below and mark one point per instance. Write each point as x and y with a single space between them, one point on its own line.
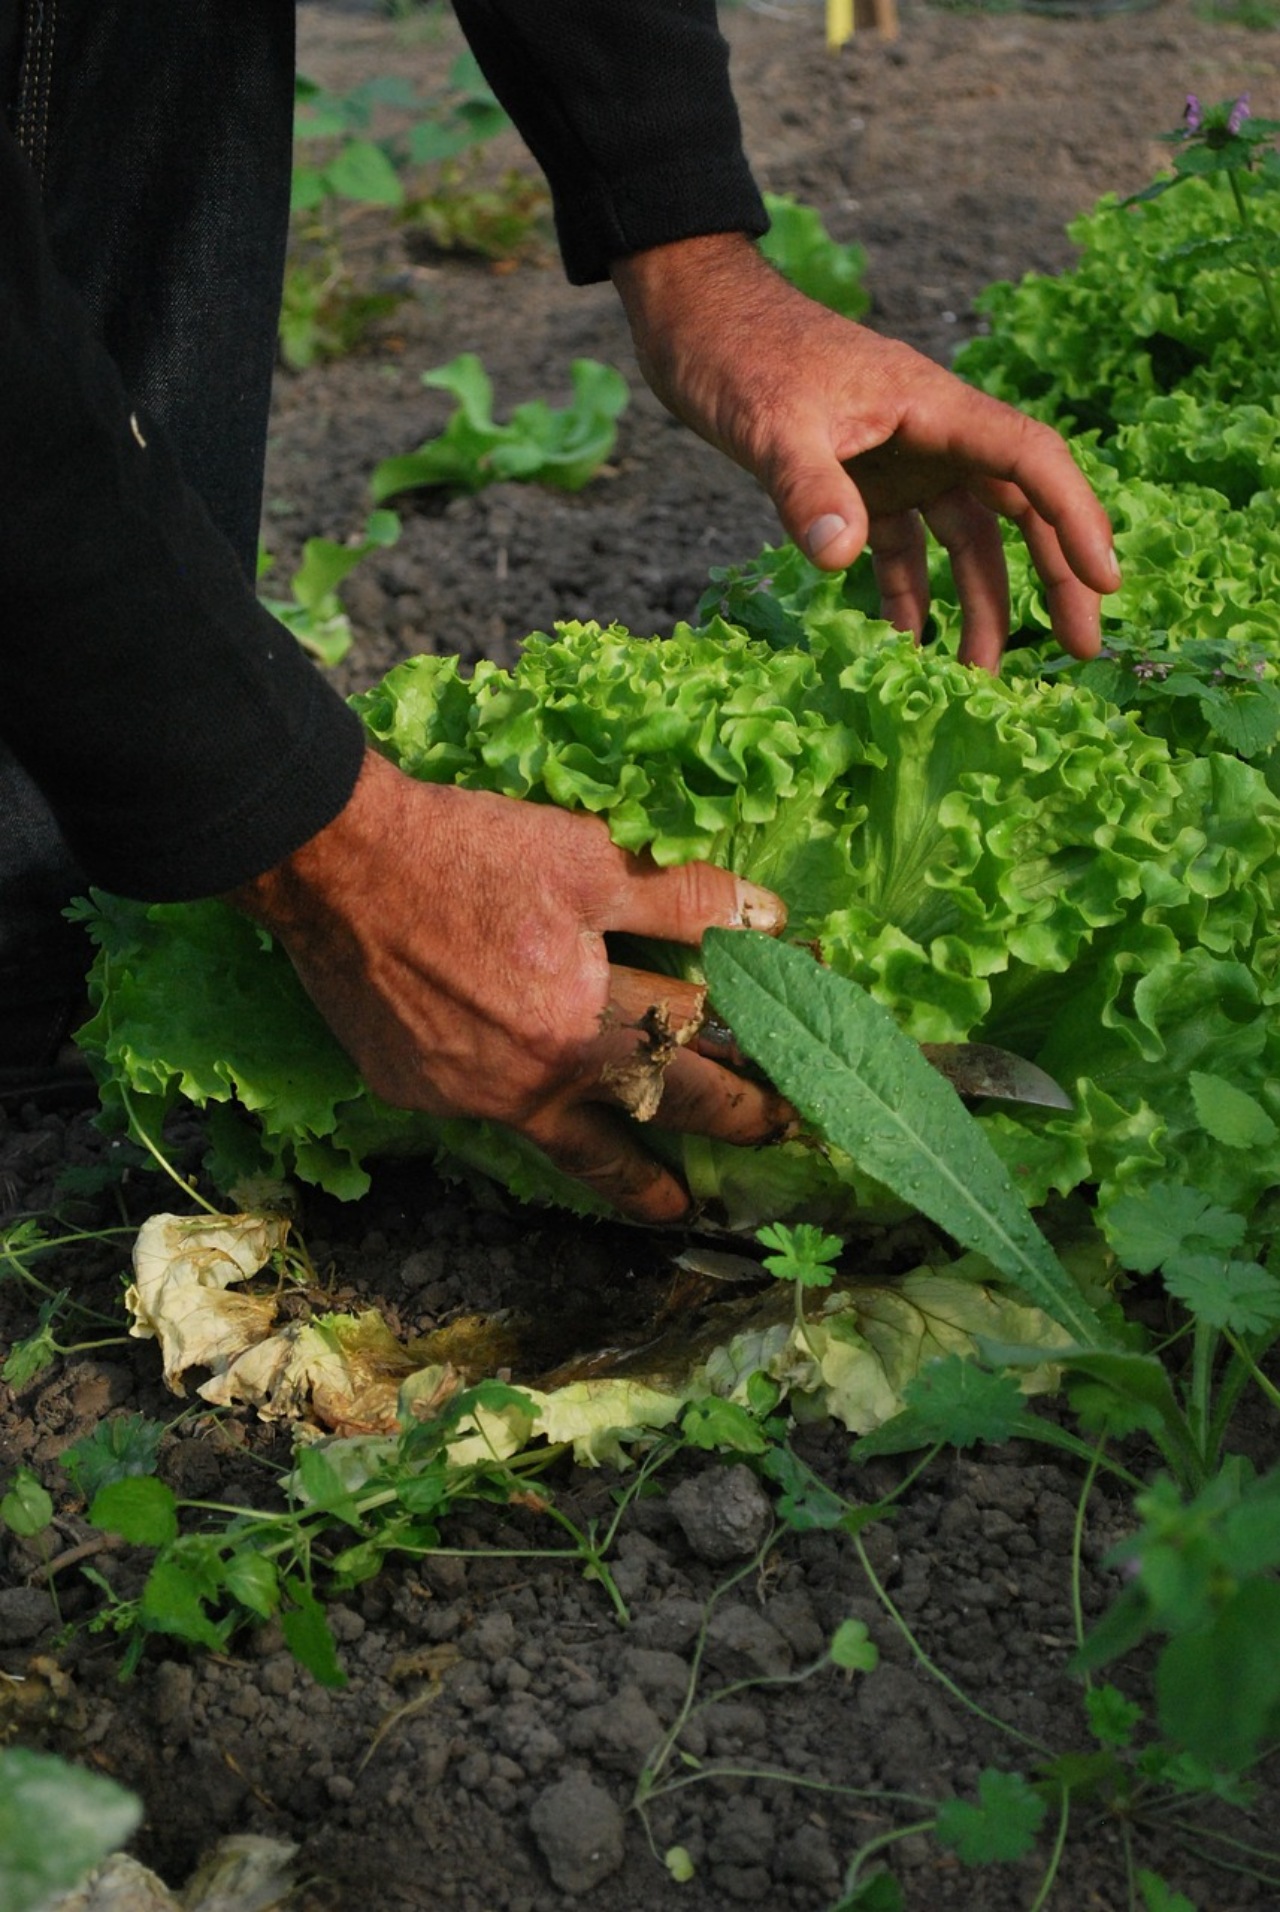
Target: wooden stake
839 22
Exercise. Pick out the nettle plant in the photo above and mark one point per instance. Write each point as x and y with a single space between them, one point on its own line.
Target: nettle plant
1226 142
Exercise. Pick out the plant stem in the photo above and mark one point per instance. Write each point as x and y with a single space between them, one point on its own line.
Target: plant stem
880 1844
1260 273
162 1161
1077 1542
1055 1857
646 1784
931 1666
802 1781
1204 1346
1268 1388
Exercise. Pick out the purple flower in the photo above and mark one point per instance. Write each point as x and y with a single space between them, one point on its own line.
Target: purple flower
1191 115
1238 114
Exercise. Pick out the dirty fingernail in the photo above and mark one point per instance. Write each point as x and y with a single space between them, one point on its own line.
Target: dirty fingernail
760 909
822 532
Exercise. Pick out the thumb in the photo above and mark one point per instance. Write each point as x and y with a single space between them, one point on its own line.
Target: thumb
821 508
678 905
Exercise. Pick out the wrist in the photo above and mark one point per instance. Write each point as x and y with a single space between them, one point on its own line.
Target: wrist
330 871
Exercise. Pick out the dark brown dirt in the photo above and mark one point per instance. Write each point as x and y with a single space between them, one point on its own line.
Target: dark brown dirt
955 156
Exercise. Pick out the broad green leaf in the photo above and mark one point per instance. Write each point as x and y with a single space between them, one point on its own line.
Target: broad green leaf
126 1445
307 188
30 1357
1141 1382
1083 1775
806 1503
1159 1897
844 1063
557 446
1219 1688
56 1823
878 1893
719 1425
308 1636
803 251
322 1486
174 1601
362 171
1241 1296
251 1578
1003 1825
853 1649
140 1508
951 1400
1122 1626
1231 1117
1101 1410
1249 722
26 1508
1150 1225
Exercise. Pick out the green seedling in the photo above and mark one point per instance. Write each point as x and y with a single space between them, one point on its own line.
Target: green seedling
314 611
803 251
802 1255
383 147
563 447
21 1245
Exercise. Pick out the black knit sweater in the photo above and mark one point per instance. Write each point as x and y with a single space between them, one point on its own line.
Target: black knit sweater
181 736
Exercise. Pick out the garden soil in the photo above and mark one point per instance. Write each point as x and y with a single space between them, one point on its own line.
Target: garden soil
486 1748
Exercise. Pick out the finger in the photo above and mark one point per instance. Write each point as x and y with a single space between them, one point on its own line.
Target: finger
970 536
901 569
818 502
681 904
646 1062
594 1146
701 1098
1075 611
987 437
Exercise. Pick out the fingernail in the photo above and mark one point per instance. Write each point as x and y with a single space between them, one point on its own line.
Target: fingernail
822 532
760 909
1116 572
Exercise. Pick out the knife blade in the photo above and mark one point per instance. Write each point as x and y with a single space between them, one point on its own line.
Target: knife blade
978 1071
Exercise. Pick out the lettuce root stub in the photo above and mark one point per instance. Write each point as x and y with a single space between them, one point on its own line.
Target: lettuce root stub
1016 862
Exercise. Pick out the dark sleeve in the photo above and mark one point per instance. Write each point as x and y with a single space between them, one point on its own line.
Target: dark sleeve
182 737
627 108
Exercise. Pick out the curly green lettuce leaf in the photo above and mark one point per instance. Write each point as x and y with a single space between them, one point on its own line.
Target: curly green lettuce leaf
1014 861
559 446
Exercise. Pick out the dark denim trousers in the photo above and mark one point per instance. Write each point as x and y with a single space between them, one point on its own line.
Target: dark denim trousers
160 133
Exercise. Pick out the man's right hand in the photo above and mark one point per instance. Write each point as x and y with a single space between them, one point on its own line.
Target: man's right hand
454 942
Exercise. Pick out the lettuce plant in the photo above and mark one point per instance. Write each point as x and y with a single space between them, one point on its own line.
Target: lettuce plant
804 252
564 446
313 611
1019 862
1156 302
